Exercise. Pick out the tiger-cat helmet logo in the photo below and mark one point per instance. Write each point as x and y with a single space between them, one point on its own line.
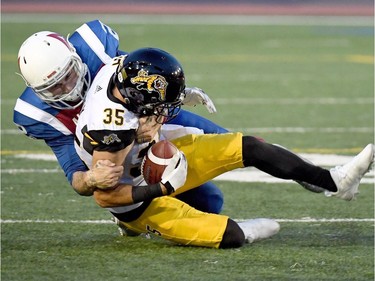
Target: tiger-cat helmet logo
150 83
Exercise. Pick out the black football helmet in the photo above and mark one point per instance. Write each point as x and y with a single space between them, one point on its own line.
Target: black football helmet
151 81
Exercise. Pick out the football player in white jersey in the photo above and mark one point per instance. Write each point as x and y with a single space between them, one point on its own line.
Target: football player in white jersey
58 72
148 84
50 63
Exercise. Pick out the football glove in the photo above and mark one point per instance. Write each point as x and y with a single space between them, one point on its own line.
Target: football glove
174 175
194 96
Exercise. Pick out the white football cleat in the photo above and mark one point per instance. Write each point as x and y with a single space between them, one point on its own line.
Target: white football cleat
348 176
258 229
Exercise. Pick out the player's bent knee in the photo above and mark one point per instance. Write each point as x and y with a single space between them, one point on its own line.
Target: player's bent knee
233 236
249 145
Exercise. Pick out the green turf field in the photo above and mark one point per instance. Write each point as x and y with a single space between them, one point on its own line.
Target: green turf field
307 87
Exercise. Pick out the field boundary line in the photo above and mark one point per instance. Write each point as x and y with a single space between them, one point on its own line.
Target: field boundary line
302 220
238 175
244 175
304 130
164 19
295 101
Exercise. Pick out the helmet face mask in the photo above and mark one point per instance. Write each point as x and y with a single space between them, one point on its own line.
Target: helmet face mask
151 82
66 90
136 102
167 110
52 68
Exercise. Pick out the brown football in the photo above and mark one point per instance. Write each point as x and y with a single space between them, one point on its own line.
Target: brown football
156 160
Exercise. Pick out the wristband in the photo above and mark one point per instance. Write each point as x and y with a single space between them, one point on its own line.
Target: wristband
169 187
142 193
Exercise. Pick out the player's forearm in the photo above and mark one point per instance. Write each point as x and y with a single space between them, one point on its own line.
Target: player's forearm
103 175
124 195
84 183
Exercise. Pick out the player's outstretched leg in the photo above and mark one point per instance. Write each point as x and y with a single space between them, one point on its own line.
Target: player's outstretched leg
308 186
348 176
341 182
258 229
282 163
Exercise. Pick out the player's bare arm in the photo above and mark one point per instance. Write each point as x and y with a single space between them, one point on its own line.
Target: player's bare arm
125 194
104 174
108 197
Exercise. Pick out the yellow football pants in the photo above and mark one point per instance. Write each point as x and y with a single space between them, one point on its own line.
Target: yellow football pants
208 156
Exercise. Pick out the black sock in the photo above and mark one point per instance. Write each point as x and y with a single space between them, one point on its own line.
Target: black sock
233 236
281 163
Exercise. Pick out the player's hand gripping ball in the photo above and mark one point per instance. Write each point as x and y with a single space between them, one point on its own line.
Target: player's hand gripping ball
157 159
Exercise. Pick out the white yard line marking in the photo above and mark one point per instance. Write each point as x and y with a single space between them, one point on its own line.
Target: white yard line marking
304 130
239 175
31 171
58 221
298 130
243 175
294 101
253 175
325 220
301 220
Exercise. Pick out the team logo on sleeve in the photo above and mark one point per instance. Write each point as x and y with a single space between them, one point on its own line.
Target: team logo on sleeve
111 139
150 83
